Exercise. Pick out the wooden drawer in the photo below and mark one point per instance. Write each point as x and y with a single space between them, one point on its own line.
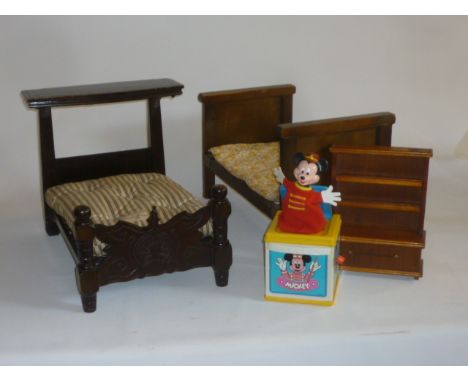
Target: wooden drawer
379 258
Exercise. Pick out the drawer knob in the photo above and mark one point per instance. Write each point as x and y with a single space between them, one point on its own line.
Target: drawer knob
350 252
341 260
395 256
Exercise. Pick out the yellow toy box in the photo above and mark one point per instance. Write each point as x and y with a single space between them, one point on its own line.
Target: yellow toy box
302 268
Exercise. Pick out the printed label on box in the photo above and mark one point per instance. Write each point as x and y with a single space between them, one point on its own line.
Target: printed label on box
298 274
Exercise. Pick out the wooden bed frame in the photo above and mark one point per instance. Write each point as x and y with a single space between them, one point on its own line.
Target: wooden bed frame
176 245
264 114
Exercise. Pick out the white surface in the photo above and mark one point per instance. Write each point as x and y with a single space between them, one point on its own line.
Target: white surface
185 319
461 150
412 66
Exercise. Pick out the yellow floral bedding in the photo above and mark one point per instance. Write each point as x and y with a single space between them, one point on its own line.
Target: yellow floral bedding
253 163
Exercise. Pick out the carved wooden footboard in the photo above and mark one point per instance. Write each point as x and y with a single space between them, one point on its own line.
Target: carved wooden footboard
133 252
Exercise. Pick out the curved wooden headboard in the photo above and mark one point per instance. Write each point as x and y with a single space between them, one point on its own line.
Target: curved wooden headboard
248 115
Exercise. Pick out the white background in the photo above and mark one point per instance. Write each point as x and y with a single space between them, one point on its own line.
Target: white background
416 67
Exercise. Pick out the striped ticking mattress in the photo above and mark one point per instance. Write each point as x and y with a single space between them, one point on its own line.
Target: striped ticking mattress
127 197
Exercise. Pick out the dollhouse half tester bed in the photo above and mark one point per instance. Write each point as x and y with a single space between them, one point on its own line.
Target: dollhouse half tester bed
248 132
120 216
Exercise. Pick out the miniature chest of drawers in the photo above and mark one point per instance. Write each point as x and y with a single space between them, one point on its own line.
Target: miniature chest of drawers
302 268
383 205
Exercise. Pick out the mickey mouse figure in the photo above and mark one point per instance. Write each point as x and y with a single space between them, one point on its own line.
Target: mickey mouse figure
298 264
301 209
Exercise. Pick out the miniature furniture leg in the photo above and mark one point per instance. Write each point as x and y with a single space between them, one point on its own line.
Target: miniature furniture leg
86 276
222 251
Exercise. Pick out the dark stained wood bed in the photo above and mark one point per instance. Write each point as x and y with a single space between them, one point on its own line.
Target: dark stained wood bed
130 251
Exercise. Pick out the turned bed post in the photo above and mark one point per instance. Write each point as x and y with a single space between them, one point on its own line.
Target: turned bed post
47 152
86 275
156 134
222 251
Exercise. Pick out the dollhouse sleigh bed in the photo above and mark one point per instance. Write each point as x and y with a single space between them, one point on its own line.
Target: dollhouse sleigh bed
248 132
120 216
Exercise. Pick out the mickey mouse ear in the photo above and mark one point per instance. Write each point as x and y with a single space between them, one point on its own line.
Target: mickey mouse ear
322 165
288 256
298 158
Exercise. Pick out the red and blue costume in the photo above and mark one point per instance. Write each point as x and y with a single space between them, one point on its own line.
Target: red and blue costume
301 210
